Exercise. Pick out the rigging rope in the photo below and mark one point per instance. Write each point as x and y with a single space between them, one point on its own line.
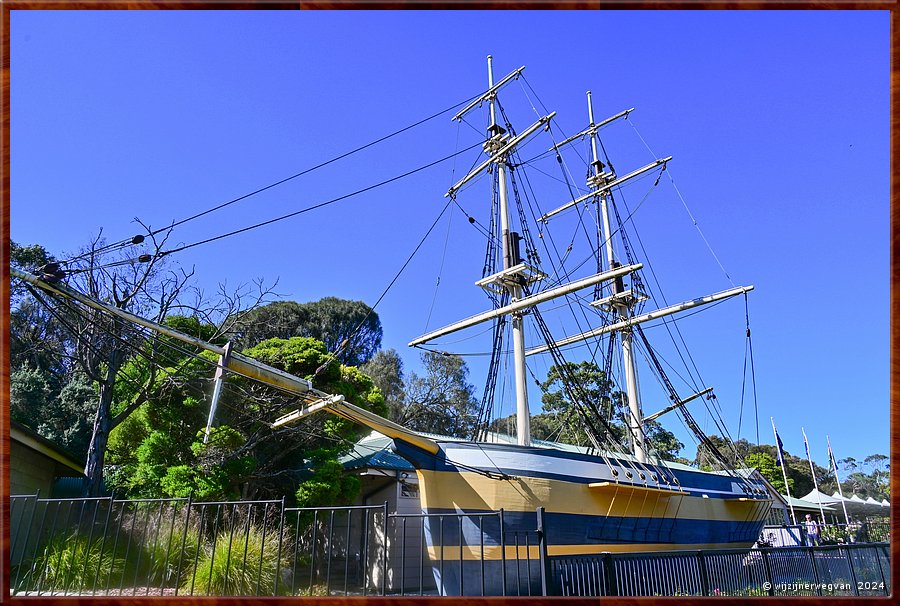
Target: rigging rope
139 238
315 206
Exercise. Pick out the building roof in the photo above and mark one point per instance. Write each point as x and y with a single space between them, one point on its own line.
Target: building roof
29 438
374 450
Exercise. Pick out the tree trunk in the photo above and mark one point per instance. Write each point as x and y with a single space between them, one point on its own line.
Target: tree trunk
93 468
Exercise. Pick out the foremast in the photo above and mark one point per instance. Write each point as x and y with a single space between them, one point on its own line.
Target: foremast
514 287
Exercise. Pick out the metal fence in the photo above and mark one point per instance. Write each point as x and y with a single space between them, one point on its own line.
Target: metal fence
840 570
167 547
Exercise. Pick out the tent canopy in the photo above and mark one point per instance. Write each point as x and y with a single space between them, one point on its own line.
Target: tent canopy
856 507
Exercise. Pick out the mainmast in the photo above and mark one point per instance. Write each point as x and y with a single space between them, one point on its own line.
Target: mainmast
510 243
622 301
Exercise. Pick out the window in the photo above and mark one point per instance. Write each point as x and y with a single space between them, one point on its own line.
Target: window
409 491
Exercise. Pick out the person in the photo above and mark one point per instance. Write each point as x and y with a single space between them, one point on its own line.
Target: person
812 531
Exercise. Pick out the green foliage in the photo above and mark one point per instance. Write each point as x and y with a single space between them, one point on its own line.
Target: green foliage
215 472
328 484
169 559
300 356
768 467
442 401
73 561
351 329
28 393
867 479
159 449
238 564
64 417
386 370
573 387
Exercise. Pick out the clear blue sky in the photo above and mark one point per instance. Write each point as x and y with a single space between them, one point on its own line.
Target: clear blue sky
778 122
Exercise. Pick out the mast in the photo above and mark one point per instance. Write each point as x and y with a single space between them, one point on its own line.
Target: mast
621 302
510 244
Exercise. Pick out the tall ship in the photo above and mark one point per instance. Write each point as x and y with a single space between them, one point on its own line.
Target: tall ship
615 493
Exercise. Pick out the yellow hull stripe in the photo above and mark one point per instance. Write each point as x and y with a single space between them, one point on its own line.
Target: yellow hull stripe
467 491
451 553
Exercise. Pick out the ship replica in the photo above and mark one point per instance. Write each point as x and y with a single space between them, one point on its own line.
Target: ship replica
611 496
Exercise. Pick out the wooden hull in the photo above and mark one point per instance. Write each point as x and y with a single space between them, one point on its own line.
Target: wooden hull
588 509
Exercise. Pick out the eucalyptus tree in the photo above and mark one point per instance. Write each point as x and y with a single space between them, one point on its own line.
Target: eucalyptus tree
349 329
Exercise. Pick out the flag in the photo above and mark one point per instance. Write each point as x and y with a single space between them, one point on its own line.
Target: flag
806 446
831 458
780 453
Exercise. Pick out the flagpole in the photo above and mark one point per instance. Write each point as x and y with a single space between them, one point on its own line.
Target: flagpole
781 463
840 490
812 470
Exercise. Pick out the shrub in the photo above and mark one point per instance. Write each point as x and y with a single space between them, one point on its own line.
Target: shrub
71 562
171 554
238 565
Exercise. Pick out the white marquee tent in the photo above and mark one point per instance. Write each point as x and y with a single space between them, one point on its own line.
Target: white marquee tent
856 507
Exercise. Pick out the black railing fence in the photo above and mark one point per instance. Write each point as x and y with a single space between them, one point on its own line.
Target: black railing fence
849 570
153 547
167 547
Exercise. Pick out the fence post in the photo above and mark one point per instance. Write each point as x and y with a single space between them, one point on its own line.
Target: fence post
15 586
384 548
815 569
884 581
704 574
503 552
546 578
765 554
609 573
280 546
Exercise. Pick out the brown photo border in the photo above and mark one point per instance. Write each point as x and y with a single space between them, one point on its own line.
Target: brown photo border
9 5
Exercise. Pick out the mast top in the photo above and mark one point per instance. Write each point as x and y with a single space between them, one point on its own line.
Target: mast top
491 91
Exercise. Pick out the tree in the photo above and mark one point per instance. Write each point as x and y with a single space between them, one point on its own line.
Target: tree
768 467
99 345
37 338
66 420
386 370
316 442
103 343
160 449
664 443
592 390
349 329
441 401
562 421
29 391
